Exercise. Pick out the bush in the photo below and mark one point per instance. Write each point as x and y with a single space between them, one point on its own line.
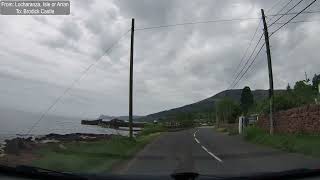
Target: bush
303 93
285 101
187 123
251 133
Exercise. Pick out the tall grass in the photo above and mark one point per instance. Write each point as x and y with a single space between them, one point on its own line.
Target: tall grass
90 157
300 143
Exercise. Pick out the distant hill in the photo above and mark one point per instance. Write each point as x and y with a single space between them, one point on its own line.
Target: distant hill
206 105
125 118
105 117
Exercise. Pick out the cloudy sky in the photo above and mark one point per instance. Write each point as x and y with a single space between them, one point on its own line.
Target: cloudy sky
41 56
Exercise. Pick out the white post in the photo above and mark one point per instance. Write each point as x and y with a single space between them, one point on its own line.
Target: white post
317 99
240 124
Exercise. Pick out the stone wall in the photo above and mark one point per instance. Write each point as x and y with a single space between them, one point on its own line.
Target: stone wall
304 119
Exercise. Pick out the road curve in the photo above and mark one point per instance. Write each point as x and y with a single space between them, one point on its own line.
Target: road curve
207 152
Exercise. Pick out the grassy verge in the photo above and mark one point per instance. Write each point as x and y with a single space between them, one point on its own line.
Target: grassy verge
230 129
152 128
91 157
300 143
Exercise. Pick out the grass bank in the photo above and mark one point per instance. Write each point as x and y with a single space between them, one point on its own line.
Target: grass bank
90 157
300 143
230 129
152 128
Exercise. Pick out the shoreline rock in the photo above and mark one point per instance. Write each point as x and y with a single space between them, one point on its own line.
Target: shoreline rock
18 144
14 146
74 137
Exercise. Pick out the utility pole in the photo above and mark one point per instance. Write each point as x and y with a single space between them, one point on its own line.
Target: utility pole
266 37
131 80
216 111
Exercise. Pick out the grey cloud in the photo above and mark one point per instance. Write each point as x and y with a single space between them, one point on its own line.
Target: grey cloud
172 66
27 56
41 19
71 29
146 11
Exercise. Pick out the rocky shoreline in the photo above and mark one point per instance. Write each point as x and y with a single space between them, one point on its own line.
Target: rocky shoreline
16 145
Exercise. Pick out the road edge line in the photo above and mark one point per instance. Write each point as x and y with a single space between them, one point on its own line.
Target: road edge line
204 148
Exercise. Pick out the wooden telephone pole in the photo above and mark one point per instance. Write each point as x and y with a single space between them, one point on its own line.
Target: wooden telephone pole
131 80
266 36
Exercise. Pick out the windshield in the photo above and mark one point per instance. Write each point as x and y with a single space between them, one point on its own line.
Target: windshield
149 87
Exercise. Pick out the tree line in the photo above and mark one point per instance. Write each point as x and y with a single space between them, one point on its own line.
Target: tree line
227 110
303 92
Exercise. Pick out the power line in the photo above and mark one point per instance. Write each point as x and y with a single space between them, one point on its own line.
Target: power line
232 84
275 5
264 44
282 8
293 18
292 13
196 22
270 36
75 82
246 51
302 21
250 64
285 13
209 21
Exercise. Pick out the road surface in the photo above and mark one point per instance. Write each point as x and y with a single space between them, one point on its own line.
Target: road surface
207 152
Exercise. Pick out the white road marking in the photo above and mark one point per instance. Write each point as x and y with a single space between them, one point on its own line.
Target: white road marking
194 134
205 149
211 154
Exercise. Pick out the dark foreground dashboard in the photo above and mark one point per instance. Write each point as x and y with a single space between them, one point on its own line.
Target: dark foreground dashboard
34 173
5 177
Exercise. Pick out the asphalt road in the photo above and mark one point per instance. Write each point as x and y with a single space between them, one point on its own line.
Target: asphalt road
207 152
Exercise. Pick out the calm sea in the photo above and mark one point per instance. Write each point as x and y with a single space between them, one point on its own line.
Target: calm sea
15 123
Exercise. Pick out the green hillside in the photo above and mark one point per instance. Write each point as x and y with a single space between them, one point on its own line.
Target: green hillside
206 105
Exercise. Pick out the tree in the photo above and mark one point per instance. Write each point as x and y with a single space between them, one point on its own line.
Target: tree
303 89
282 101
289 88
316 82
185 119
304 92
301 86
246 99
227 110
